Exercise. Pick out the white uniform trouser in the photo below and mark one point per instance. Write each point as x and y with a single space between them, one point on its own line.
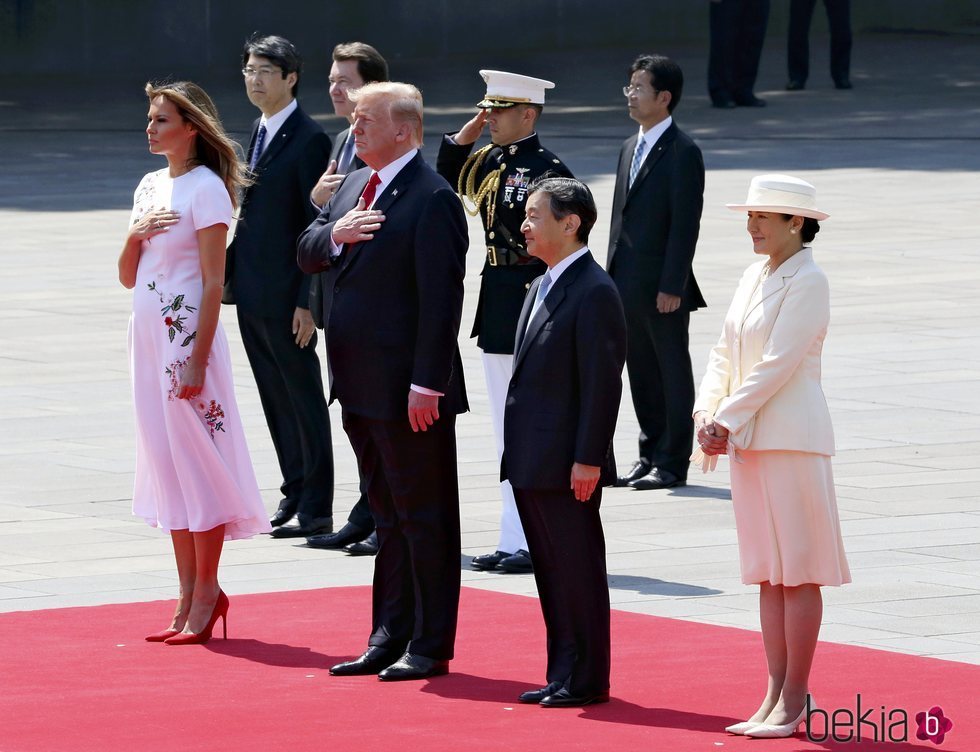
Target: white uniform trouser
498 369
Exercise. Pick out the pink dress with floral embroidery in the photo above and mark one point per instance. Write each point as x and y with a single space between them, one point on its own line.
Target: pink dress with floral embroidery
193 470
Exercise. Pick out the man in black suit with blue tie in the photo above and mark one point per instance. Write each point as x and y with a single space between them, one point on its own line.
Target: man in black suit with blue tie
559 421
656 217
286 154
394 240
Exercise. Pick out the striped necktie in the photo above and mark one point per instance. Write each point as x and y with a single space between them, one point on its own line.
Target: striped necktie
257 149
346 155
641 146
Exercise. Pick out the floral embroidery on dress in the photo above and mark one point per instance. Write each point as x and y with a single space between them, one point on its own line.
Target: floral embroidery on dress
145 198
173 304
211 412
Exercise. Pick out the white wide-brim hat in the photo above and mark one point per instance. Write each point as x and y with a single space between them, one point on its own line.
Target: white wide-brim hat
781 193
507 89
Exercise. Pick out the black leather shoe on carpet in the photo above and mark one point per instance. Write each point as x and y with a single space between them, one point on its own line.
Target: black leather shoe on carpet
534 696
414 667
371 662
565 699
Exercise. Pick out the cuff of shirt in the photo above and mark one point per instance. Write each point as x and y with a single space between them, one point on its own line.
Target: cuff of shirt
334 248
427 392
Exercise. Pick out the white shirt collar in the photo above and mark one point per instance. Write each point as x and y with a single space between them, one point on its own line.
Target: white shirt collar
387 173
558 269
653 135
273 124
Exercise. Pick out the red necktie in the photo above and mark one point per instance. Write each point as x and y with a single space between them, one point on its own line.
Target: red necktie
370 189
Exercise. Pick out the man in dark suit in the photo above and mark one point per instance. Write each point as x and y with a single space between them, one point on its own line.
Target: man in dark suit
495 181
656 217
559 422
286 153
394 240
354 64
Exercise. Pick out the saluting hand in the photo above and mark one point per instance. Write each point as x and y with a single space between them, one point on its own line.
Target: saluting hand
472 130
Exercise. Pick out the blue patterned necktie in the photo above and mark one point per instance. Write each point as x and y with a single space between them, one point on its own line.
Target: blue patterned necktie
257 149
346 155
542 292
641 146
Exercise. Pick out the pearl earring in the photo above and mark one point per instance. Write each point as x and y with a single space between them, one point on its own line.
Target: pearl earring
793 230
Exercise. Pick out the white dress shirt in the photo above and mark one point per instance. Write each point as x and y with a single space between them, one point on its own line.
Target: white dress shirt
652 136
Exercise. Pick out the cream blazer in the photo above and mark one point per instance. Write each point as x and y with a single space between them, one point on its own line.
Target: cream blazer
763 376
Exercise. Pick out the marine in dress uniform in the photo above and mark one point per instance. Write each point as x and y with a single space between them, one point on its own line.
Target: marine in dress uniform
493 181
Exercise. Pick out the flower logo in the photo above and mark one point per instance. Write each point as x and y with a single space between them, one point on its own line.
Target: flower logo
933 725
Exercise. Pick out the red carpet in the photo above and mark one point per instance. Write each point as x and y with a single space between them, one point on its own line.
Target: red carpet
83 679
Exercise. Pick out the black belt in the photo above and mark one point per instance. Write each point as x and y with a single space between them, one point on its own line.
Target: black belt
497 256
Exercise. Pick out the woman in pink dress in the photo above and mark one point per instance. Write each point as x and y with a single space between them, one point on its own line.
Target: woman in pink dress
194 477
761 402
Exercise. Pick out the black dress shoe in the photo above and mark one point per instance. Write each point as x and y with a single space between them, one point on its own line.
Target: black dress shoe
534 696
565 699
750 101
517 563
366 547
285 512
371 662
657 478
305 529
414 667
488 562
843 83
640 468
794 84
348 534
723 104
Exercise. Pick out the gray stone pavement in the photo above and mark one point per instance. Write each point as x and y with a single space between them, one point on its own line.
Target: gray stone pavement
897 164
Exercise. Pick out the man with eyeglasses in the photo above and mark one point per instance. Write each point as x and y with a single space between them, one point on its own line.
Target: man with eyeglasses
354 65
287 152
656 217
494 181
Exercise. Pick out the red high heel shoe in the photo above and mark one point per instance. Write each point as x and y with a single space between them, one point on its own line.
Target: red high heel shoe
161 636
189 638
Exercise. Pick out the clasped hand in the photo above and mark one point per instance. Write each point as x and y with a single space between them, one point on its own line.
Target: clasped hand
357 225
712 437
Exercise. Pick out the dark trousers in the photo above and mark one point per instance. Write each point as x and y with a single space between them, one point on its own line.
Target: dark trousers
658 361
360 513
291 390
798 49
568 551
413 493
737 29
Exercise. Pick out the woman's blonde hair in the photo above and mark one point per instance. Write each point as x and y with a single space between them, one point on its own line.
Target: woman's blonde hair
213 148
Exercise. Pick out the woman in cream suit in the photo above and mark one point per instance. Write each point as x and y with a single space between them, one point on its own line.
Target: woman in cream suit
761 403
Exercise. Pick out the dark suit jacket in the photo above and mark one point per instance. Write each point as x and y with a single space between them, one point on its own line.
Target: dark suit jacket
392 305
655 224
564 394
316 280
264 277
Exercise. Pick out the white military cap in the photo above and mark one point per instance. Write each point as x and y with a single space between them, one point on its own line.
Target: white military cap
507 89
